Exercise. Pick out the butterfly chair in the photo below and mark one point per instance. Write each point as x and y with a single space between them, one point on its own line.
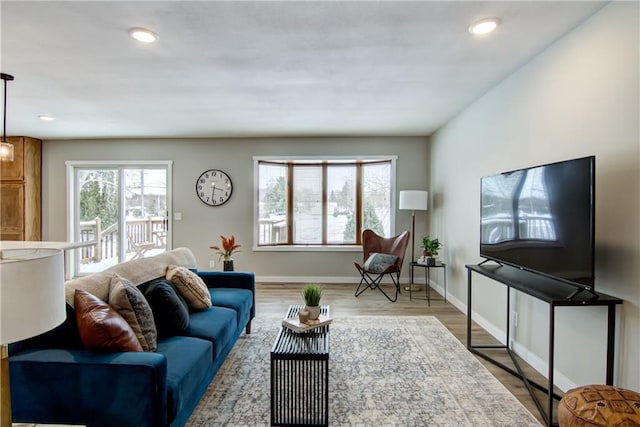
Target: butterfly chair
382 256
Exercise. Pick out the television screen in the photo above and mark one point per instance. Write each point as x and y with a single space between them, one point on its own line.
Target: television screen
542 219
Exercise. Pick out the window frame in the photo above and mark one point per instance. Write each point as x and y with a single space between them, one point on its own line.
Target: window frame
72 198
319 160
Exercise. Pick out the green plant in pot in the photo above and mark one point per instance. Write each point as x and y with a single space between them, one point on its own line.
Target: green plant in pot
431 248
312 293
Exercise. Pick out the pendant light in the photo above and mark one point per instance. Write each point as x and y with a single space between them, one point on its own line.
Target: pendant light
6 149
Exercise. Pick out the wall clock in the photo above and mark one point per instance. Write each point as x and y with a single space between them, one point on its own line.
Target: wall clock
214 187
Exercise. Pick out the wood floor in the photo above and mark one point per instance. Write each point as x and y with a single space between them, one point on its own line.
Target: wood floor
276 298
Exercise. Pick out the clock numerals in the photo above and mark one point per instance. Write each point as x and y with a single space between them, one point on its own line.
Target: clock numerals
214 187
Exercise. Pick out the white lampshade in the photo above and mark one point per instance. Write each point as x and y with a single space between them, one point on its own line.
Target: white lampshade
415 200
32 299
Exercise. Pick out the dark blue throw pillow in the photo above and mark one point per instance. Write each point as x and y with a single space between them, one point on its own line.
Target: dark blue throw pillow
170 311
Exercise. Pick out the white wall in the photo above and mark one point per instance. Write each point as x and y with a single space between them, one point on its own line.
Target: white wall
579 97
202 225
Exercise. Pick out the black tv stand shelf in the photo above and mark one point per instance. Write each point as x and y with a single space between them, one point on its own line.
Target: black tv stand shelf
556 294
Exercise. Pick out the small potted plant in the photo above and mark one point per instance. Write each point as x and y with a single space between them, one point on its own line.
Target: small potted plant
431 247
312 294
229 247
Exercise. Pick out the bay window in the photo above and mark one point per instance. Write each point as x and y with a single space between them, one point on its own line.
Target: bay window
322 202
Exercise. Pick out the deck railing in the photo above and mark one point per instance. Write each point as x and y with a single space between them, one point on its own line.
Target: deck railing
139 231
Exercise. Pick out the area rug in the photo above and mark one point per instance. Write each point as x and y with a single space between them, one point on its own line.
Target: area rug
383 371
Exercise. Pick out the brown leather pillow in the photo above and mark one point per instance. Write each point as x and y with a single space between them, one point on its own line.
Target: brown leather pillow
101 327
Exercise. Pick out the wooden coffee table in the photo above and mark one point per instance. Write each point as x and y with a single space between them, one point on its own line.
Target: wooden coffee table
300 375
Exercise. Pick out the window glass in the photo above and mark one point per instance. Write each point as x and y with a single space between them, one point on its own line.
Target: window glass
376 196
341 204
99 216
272 204
307 204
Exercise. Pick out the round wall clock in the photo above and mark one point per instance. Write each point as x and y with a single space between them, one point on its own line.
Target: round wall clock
214 187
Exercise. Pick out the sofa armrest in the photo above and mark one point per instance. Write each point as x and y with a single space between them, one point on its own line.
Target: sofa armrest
84 387
232 279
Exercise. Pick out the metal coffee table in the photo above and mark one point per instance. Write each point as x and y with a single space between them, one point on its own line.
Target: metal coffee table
300 375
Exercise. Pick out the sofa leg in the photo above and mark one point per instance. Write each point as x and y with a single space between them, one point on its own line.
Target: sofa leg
247 328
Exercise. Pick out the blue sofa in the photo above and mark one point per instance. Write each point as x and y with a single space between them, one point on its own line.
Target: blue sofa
54 380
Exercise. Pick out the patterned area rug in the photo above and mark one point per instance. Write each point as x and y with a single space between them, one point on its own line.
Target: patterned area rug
383 370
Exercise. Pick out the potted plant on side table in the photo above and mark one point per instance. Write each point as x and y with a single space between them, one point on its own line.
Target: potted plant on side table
431 248
312 294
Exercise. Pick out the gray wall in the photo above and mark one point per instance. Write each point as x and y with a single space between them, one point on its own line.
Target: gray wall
202 225
579 97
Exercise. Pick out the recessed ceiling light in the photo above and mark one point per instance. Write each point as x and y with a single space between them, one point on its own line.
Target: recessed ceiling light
143 35
46 117
484 26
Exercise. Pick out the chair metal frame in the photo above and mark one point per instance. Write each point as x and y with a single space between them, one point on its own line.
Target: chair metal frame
372 242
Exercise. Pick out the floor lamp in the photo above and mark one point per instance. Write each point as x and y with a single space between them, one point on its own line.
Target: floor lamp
31 302
413 200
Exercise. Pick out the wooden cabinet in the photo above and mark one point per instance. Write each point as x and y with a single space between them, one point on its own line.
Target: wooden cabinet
20 191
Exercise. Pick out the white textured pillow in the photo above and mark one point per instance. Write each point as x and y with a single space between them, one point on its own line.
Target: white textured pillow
190 286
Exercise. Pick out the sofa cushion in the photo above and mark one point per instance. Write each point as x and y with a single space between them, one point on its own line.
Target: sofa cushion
188 362
170 311
240 300
134 307
190 286
216 324
101 327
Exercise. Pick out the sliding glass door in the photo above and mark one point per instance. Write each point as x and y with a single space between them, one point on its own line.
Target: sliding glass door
123 208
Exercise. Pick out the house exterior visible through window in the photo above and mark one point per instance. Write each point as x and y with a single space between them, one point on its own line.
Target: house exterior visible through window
318 202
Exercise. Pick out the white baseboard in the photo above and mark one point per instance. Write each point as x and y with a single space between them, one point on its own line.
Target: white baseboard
307 279
323 279
540 365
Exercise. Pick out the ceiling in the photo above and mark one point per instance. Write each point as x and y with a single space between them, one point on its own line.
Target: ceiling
242 68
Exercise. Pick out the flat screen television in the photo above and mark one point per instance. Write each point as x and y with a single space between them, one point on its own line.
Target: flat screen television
542 219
